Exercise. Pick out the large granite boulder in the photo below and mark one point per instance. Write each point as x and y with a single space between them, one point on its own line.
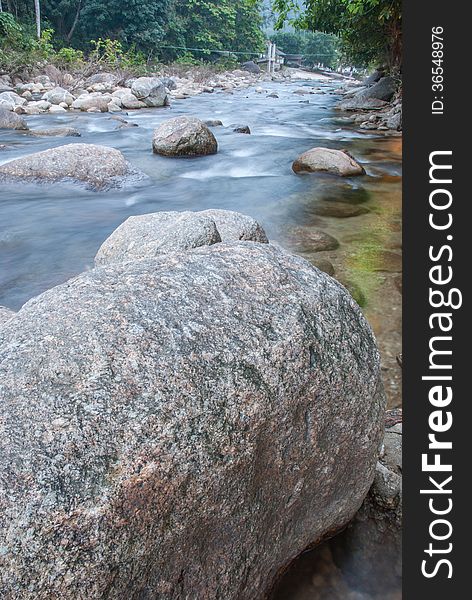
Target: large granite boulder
338 162
150 90
251 67
362 103
182 426
10 120
58 95
97 166
146 236
5 314
184 136
384 89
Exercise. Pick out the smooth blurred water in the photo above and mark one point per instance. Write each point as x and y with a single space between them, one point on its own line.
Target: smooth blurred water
50 232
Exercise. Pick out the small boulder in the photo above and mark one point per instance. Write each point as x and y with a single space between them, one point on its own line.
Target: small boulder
58 95
309 239
56 109
95 101
241 129
213 123
184 136
150 90
12 98
10 120
97 166
328 160
251 67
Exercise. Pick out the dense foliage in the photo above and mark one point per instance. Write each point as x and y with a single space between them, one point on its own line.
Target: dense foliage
316 47
370 30
155 29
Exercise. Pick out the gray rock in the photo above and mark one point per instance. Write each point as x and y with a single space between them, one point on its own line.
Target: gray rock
184 136
251 67
97 166
96 101
338 210
234 226
384 89
373 78
101 78
5 314
150 90
145 236
360 103
169 83
338 162
56 132
58 95
395 121
179 426
10 120
213 123
12 98
309 239
241 129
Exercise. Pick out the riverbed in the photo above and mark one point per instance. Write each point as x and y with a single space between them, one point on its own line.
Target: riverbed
49 233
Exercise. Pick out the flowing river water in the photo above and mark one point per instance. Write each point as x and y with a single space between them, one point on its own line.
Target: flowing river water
49 233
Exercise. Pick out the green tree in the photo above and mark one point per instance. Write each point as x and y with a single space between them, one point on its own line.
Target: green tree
370 30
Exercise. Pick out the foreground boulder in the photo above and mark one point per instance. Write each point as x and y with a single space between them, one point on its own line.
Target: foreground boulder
10 120
96 166
150 90
182 427
5 314
184 136
146 236
338 162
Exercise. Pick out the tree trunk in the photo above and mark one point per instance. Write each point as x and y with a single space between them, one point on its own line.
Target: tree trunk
37 12
76 20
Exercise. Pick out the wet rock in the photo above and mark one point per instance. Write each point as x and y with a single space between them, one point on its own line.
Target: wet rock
338 162
241 129
339 210
184 136
56 132
251 67
150 90
152 414
308 239
395 122
323 264
213 123
96 166
58 95
10 120
273 95
5 314
234 226
92 101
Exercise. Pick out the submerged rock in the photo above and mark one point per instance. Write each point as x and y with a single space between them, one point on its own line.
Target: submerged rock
10 120
339 210
181 426
309 239
338 162
184 136
56 132
241 129
145 236
97 166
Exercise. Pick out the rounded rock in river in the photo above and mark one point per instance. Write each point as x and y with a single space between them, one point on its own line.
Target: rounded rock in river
184 136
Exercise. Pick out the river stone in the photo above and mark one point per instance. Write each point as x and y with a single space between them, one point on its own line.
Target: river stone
5 314
338 162
93 101
96 166
180 426
234 226
374 77
10 120
241 129
58 95
384 89
184 136
130 101
251 67
213 123
146 236
150 90
323 264
360 103
103 77
12 98
308 239
169 83
56 132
